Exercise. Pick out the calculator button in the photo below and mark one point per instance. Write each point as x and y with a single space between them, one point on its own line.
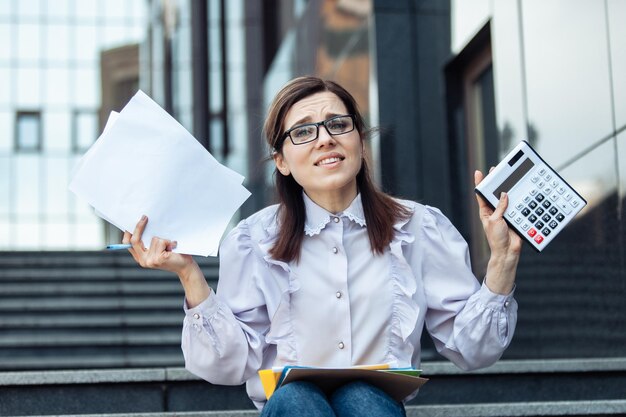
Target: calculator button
554 183
533 191
542 171
574 203
539 211
532 232
554 197
553 211
568 196
511 213
534 179
548 177
539 197
519 219
525 226
532 204
546 231
525 212
560 217
546 218
541 184
547 190
566 208
519 206
539 224
546 204
532 218
560 190
538 238
553 224
527 199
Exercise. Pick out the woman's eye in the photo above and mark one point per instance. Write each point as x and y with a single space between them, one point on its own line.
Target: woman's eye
303 132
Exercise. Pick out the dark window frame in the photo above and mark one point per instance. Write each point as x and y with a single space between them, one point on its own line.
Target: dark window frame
17 143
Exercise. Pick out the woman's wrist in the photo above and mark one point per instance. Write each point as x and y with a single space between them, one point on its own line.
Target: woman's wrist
500 276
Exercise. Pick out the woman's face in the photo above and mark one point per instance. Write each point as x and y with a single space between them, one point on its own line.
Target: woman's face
326 167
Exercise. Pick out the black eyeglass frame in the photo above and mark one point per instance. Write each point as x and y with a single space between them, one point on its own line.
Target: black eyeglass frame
317 125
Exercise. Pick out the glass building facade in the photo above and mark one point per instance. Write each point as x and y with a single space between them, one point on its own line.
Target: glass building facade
50 97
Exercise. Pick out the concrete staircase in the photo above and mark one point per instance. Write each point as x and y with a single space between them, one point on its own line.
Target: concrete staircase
72 310
91 333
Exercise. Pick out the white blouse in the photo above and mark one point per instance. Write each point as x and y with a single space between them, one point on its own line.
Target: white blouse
341 305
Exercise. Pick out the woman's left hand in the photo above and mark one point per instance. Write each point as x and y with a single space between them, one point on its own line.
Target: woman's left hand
502 240
504 243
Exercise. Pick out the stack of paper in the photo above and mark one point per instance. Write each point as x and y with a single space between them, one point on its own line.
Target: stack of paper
399 383
145 162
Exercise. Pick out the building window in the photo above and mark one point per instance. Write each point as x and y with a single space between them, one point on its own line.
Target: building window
28 131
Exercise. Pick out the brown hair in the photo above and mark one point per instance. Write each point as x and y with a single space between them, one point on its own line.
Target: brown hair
381 211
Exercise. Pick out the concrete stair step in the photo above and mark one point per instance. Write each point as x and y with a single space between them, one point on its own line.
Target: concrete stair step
93 320
96 338
95 358
79 304
28 289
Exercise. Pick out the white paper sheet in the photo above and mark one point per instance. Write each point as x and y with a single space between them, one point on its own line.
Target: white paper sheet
145 162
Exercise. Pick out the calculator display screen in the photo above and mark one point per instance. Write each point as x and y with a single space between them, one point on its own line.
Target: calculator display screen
514 178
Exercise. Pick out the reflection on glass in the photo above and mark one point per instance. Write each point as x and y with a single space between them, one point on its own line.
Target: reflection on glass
85 38
28 88
57 44
5 33
86 125
568 98
86 83
57 86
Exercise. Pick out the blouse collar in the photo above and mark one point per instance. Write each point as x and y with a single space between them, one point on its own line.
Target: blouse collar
317 218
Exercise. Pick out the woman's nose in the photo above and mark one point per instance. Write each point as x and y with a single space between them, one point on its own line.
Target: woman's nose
324 138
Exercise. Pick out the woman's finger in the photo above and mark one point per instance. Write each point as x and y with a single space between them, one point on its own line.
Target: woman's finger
135 239
502 205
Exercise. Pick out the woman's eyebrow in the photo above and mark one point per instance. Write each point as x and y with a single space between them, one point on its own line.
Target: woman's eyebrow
307 119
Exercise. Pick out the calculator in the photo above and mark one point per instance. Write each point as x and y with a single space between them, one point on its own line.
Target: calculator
541 203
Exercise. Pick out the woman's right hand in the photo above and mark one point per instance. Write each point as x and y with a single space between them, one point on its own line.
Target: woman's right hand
160 256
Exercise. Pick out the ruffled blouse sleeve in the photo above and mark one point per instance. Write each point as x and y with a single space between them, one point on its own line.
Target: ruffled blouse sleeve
469 324
223 338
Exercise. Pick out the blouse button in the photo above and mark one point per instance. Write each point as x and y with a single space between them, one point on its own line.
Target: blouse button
335 250
507 303
341 345
338 294
336 219
196 316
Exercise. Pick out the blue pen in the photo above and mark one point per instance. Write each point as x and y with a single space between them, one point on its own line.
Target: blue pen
119 246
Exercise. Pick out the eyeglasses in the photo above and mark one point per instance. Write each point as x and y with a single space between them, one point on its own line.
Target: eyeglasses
308 132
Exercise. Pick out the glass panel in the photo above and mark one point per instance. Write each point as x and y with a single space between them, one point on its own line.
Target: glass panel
216 98
26 235
467 18
56 181
57 86
28 42
5 35
26 185
569 103
217 138
86 130
86 43
28 91
235 46
89 235
56 236
5 86
28 131
57 41
5 185
617 33
86 11
115 36
28 8
117 9
5 233
86 87
6 134
236 89
57 131
59 10
508 74
574 303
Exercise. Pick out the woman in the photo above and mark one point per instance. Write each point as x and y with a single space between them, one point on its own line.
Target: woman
338 273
